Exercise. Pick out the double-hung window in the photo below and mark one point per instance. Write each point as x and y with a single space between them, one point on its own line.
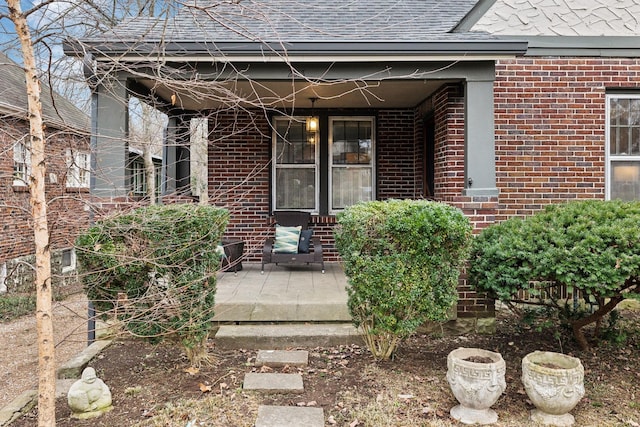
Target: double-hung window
21 163
295 156
323 173
623 147
351 177
78 169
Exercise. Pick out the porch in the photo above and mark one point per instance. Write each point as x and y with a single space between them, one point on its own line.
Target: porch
282 294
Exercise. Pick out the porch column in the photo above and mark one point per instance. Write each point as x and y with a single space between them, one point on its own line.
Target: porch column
479 138
109 125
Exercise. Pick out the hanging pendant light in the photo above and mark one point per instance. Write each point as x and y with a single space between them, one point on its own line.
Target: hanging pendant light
312 121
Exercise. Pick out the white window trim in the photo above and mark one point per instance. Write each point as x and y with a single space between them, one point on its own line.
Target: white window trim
74 165
608 158
3 278
71 267
22 181
274 169
330 161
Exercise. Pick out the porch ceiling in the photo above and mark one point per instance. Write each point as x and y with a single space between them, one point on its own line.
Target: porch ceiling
288 94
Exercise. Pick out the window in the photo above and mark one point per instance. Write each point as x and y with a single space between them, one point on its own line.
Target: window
78 169
21 163
68 260
295 154
306 163
139 177
351 176
3 278
623 151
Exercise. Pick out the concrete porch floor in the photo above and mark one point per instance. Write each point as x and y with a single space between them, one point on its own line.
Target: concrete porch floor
282 294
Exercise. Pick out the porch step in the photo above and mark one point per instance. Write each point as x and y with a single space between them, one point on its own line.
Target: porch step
282 336
289 416
307 307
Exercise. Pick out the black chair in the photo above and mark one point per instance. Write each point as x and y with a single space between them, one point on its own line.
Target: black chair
302 256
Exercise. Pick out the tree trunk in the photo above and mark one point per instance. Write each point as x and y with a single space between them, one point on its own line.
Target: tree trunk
38 202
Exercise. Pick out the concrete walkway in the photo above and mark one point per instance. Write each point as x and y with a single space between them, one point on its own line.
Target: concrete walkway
282 294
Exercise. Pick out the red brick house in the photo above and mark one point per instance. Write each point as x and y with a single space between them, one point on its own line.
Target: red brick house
498 107
68 168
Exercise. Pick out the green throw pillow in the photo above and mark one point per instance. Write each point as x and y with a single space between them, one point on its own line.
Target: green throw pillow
287 239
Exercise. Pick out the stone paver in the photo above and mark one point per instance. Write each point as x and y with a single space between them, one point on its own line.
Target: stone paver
279 358
289 416
287 335
273 383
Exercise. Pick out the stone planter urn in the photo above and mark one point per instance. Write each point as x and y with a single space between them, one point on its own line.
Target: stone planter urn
554 383
476 378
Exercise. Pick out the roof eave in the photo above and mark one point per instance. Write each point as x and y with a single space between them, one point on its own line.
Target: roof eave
337 51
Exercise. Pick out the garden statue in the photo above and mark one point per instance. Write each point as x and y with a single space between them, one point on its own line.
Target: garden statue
89 397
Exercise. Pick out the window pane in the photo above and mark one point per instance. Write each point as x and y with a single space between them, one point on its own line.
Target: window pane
351 142
619 112
624 127
350 186
296 188
625 180
66 258
634 112
294 145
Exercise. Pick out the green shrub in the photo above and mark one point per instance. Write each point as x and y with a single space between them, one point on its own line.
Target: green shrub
402 260
592 247
155 269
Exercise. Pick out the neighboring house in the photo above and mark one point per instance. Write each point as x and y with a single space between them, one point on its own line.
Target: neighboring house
67 181
496 107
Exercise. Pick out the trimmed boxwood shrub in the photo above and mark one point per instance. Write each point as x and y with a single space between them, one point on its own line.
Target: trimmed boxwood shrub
592 247
155 269
402 260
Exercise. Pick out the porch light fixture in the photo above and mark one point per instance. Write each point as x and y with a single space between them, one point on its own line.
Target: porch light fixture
312 121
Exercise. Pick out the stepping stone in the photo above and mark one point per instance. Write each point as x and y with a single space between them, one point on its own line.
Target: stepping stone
289 416
273 383
279 358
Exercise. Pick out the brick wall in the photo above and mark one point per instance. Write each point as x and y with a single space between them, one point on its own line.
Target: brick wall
239 175
550 128
396 154
67 211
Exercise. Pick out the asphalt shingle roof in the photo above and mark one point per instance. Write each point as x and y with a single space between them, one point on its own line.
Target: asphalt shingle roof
303 21
58 112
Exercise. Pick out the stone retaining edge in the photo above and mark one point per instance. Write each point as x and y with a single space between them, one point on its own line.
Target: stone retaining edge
72 369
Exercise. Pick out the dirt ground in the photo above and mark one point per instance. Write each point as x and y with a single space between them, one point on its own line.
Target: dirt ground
152 385
19 351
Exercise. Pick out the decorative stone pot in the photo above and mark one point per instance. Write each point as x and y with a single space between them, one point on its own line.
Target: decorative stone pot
554 383
476 378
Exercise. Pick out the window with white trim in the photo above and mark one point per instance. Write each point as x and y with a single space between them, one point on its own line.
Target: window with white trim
21 163
78 169
68 260
351 160
623 147
307 162
3 278
295 175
